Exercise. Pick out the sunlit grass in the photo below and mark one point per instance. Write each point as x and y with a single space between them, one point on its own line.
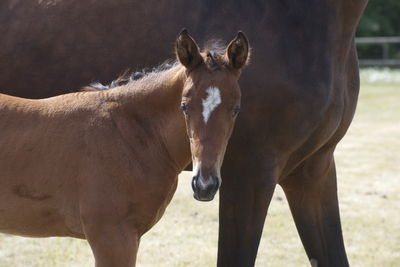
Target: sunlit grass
368 163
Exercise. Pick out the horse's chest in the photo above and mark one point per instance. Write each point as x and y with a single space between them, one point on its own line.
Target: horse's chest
150 199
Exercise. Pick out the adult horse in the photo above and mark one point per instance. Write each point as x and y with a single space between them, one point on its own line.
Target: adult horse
301 92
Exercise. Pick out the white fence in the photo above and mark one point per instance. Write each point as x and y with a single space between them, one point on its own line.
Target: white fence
385 42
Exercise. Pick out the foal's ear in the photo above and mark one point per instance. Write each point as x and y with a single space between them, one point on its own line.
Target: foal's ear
238 51
187 50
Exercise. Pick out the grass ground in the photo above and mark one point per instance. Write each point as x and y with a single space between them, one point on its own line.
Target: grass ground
369 190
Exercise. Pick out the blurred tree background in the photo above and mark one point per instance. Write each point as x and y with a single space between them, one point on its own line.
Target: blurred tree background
381 18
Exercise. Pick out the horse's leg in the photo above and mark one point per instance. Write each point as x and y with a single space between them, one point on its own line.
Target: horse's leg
113 244
245 195
312 195
107 223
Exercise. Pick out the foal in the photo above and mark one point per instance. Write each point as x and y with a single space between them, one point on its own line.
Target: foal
102 165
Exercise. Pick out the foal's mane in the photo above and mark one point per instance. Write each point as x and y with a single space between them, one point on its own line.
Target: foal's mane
213 55
128 77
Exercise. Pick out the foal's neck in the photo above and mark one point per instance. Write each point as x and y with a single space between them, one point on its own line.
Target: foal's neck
156 99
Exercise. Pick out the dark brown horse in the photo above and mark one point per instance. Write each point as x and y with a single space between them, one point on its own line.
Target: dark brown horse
103 165
300 93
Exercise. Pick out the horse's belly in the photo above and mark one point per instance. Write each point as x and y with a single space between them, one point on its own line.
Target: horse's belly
44 223
36 216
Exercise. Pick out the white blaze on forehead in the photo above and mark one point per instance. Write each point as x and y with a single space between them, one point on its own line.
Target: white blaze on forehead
211 102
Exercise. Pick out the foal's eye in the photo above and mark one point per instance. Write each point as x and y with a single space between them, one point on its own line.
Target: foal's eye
236 111
184 108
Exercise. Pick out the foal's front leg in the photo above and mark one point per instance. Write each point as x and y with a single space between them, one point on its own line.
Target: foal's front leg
109 227
114 244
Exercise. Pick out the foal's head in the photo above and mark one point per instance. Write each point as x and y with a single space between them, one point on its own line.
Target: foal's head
210 103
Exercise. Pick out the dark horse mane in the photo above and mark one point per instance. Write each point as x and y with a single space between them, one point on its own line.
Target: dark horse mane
213 55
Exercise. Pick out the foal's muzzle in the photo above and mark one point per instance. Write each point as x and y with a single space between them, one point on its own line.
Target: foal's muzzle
204 188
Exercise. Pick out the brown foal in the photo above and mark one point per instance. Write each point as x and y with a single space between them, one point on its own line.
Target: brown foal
102 165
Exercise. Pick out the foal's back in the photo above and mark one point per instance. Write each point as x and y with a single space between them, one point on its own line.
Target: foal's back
31 126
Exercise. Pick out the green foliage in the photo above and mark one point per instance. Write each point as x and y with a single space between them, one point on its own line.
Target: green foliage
381 18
